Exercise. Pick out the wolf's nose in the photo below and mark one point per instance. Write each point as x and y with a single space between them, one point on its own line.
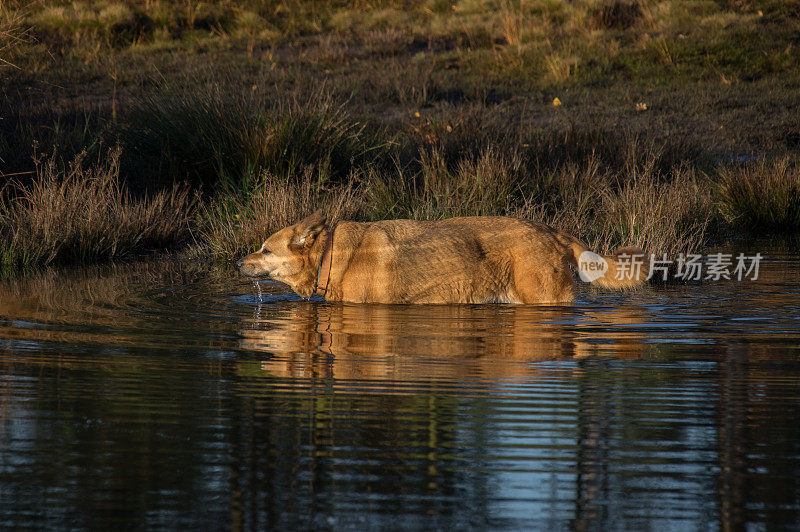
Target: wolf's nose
239 263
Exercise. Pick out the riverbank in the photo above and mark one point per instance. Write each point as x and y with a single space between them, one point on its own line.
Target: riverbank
204 127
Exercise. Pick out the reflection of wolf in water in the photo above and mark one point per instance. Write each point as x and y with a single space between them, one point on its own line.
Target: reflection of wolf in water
403 343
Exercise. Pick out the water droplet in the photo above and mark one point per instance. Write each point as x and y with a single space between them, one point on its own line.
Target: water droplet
257 286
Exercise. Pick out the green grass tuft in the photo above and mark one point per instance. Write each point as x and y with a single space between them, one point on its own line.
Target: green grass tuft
761 195
214 138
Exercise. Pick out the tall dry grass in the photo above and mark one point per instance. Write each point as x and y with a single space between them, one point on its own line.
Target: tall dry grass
610 188
13 33
659 212
511 20
658 216
266 164
239 220
214 135
83 212
761 195
487 185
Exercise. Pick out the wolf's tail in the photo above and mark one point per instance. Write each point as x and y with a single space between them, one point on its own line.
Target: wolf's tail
626 268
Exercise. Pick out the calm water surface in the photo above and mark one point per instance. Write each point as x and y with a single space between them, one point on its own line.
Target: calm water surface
161 394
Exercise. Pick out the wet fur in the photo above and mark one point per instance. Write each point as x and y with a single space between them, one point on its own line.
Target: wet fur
458 260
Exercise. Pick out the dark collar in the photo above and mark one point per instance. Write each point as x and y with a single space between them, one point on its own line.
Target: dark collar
325 265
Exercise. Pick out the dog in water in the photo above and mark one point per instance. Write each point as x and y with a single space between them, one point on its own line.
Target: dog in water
477 259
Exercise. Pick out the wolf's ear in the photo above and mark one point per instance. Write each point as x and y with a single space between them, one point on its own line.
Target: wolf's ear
307 229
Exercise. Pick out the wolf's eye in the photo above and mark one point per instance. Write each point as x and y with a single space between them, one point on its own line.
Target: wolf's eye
265 251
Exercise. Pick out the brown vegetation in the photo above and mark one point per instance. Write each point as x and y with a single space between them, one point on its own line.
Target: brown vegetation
398 109
82 212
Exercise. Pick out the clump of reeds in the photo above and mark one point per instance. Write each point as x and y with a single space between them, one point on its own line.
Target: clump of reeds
267 171
760 195
662 216
616 16
511 23
213 137
83 212
238 220
641 202
486 185
13 34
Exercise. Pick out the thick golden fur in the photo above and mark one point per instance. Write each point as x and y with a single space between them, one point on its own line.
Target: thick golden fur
458 260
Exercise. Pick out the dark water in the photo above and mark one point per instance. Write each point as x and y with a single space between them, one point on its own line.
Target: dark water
161 395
